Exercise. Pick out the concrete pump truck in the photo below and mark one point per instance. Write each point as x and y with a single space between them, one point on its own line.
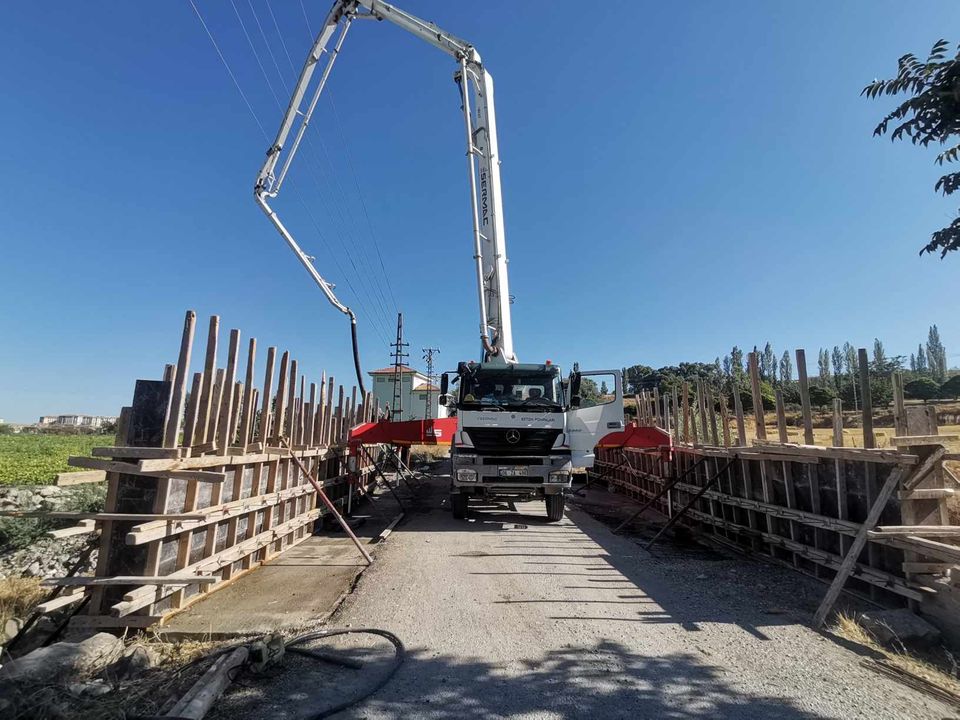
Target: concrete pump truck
517 429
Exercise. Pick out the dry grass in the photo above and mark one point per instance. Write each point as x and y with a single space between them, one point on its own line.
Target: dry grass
933 668
429 453
18 596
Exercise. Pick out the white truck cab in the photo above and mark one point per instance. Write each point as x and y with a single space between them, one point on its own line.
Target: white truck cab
521 430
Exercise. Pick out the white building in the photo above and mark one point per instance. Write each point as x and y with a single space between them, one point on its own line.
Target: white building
415 392
84 421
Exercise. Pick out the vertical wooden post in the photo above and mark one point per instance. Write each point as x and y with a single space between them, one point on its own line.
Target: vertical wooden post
837 422
226 406
171 431
761 429
866 401
676 415
209 378
725 419
804 397
280 404
781 418
686 411
264 430
712 414
248 400
741 423
899 406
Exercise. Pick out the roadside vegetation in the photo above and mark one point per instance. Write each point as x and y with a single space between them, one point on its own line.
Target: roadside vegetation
35 459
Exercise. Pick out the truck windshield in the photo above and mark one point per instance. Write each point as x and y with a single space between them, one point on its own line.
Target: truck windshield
535 391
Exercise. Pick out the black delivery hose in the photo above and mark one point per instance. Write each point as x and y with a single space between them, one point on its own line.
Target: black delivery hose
320 634
356 356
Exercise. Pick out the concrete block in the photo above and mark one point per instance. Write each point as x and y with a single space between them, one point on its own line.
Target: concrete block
63 659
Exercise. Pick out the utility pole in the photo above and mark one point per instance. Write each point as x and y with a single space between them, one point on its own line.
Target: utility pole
428 353
396 407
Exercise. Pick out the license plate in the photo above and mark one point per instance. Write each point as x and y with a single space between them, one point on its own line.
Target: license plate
513 470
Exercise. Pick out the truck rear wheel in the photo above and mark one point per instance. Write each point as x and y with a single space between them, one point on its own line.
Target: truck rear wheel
555 507
458 502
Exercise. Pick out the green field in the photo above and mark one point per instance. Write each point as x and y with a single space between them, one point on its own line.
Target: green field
36 459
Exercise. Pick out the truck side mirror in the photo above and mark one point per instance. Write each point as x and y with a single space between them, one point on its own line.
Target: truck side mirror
575 390
444 384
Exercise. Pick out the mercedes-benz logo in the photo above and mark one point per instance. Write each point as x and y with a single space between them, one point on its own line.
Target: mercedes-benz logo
513 436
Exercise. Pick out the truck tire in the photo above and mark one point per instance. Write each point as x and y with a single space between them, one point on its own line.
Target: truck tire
458 503
555 507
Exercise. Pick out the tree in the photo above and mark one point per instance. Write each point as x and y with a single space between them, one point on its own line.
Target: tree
589 394
913 362
768 364
936 355
879 356
921 359
821 396
823 367
922 389
604 390
951 388
736 363
930 114
838 356
786 368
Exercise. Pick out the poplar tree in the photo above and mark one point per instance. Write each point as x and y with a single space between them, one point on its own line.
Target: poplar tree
786 368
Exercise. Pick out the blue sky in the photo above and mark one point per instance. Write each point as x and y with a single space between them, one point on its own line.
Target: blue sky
678 178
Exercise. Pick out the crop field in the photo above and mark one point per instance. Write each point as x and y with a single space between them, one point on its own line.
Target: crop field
36 459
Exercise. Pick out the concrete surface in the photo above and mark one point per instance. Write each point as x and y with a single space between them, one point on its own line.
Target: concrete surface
507 616
301 587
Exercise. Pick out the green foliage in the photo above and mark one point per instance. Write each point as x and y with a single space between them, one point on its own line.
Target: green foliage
766 392
928 115
951 388
36 459
821 396
922 389
589 392
18 533
5 429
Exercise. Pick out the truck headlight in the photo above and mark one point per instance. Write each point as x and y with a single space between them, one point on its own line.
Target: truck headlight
467 475
558 477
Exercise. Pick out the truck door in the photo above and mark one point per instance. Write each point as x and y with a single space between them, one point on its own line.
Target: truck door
599 412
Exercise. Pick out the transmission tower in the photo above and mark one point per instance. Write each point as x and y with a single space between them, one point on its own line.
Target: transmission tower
396 408
428 353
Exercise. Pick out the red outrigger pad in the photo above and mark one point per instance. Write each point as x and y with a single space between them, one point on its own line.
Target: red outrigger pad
441 431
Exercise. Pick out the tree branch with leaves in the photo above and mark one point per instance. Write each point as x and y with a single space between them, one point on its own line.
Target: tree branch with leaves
930 115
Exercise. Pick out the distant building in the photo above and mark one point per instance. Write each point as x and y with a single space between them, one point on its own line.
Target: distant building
85 421
415 391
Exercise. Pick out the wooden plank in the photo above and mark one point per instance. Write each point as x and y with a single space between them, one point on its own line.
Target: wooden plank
926 494
761 430
866 401
87 581
216 402
859 454
920 530
171 431
280 402
712 414
80 477
725 419
58 602
132 469
903 440
64 515
249 403
899 405
859 540
84 528
170 453
685 393
98 622
804 396
928 568
917 544
933 462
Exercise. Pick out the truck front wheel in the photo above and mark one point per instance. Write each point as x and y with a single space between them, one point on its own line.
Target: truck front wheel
555 507
458 502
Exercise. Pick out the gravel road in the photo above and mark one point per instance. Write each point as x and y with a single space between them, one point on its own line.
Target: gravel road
506 615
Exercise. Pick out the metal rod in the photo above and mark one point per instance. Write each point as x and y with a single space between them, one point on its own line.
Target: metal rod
666 488
326 501
700 494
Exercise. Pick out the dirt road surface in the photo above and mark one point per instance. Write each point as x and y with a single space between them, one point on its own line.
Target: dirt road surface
507 616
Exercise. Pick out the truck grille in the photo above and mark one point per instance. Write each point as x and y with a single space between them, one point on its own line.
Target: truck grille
494 440
510 460
513 479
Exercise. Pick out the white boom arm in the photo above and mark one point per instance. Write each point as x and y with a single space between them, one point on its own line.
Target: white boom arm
483 161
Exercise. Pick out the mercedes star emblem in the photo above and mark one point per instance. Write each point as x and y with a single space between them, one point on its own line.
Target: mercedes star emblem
513 436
